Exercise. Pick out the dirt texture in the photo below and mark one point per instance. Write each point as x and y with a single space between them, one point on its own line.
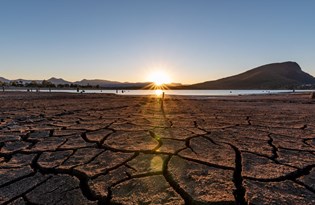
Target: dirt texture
58 148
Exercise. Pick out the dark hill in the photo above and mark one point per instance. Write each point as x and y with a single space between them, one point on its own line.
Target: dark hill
57 81
285 75
4 80
96 82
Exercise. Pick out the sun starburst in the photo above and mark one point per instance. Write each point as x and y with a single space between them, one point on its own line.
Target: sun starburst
159 80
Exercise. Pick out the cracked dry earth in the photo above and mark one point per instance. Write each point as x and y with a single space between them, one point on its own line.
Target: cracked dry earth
108 149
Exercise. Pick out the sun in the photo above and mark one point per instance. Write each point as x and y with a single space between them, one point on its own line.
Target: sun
159 78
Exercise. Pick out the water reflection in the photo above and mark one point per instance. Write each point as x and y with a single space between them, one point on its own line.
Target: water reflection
177 92
158 92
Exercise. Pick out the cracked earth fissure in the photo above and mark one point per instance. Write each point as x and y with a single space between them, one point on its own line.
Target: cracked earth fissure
274 148
239 193
187 198
27 191
290 176
86 191
191 146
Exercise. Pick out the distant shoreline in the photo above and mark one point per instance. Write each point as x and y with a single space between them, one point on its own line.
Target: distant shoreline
146 92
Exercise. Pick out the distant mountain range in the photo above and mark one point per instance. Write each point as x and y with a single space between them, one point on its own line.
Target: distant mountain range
112 84
94 82
286 75
4 80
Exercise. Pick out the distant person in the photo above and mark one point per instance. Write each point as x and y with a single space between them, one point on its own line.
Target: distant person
50 90
116 91
78 90
2 88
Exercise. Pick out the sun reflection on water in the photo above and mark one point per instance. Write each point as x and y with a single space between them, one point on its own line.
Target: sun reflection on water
158 92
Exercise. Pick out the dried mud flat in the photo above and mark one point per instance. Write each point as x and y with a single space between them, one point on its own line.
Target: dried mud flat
106 149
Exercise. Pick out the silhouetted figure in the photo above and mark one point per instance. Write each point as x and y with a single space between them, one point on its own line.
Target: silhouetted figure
312 95
78 90
2 88
116 91
50 90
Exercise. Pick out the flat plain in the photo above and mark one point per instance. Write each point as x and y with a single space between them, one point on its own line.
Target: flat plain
58 148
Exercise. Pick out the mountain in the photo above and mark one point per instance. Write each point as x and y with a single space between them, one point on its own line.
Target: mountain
4 80
57 81
286 75
95 82
18 80
24 81
110 84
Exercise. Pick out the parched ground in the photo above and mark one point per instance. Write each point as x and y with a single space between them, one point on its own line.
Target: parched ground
108 149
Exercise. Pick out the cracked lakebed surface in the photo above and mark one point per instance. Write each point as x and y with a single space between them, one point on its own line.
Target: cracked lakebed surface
58 148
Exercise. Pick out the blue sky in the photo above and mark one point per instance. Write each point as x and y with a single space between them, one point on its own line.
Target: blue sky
193 41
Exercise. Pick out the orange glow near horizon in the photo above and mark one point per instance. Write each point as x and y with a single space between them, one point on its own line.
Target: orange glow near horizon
159 78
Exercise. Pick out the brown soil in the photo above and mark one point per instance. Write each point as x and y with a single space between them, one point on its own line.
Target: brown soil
99 149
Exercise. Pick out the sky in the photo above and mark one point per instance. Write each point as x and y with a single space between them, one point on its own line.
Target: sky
191 41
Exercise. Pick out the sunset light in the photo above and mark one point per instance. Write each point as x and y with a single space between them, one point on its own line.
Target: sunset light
158 92
157 102
159 78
